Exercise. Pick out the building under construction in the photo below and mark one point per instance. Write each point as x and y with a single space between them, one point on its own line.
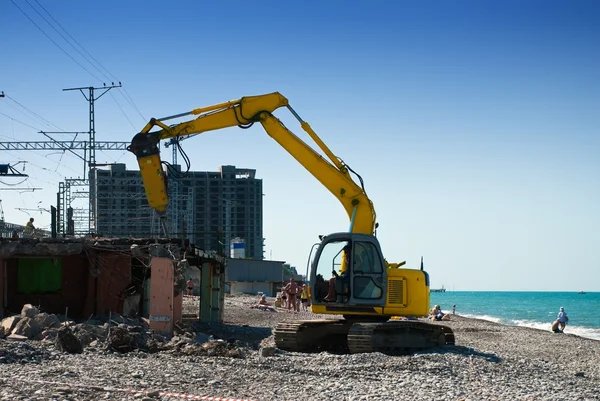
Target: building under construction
206 208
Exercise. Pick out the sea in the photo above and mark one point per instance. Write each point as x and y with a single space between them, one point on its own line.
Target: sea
530 309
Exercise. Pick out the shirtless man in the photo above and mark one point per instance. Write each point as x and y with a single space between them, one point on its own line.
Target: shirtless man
291 289
190 287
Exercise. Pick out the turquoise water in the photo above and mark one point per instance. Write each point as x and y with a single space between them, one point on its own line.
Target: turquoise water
531 309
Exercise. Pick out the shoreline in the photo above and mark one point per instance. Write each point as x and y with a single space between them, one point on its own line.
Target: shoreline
490 361
531 325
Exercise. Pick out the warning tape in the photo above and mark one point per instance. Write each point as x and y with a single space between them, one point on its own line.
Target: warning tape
143 392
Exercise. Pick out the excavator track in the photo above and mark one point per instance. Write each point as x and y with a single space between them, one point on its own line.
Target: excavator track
347 336
398 337
313 335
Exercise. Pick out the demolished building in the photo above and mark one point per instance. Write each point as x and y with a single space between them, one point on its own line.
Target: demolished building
95 277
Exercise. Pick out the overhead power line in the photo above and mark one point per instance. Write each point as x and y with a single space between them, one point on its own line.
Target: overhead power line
65 39
78 44
34 113
53 41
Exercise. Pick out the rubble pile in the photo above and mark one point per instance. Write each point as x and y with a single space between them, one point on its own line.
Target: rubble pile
203 345
118 335
30 324
124 339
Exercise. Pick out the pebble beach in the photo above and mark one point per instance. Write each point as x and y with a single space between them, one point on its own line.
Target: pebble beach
488 362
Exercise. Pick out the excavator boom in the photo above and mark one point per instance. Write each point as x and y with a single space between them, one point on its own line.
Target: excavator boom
332 172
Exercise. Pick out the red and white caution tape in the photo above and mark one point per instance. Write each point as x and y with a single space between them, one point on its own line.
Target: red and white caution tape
143 392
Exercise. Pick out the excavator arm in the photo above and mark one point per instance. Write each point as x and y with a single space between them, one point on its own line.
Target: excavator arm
332 172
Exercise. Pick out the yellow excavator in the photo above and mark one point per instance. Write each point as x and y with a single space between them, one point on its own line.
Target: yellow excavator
368 290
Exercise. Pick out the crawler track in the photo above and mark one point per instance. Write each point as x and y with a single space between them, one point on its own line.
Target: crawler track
397 337
346 336
313 335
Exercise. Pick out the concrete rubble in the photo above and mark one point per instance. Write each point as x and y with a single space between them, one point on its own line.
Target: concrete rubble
118 335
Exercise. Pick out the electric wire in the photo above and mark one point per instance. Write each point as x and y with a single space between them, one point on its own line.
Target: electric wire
122 111
54 42
131 102
35 114
79 44
125 95
63 36
13 185
19 121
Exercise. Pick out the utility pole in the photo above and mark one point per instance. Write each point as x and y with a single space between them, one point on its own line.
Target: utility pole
91 98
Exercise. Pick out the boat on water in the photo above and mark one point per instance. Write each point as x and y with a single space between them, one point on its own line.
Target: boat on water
581 292
437 289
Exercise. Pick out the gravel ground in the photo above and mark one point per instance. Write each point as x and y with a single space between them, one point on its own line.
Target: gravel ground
488 362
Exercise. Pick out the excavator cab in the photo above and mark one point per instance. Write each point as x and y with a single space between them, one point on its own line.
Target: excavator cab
349 274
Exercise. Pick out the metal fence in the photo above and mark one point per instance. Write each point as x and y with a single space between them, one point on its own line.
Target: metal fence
9 230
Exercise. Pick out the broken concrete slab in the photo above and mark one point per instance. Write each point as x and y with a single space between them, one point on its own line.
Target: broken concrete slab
16 337
29 328
29 311
46 320
8 324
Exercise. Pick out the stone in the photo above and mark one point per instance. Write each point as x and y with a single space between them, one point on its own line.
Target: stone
16 337
29 311
9 323
120 340
49 334
46 320
67 342
235 353
29 328
267 351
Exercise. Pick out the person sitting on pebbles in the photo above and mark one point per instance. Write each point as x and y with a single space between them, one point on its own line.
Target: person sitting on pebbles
263 304
561 321
437 314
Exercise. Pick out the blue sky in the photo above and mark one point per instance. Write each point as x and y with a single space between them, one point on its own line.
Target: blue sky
474 124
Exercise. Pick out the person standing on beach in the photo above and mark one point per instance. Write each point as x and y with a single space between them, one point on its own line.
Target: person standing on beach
190 287
291 290
454 309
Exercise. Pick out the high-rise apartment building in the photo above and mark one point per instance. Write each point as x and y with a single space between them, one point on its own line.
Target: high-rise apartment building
208 208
